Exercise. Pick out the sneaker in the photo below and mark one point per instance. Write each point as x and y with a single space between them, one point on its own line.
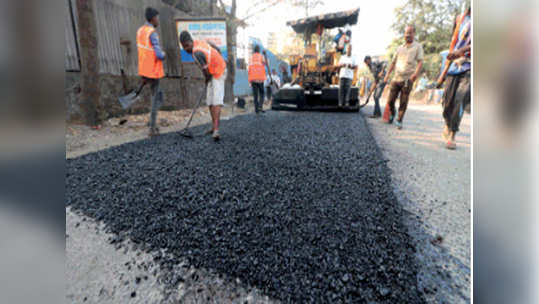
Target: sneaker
216 135
374 116
209 132
399 125
451 145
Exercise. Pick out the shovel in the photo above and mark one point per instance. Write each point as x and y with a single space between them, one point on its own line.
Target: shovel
127 100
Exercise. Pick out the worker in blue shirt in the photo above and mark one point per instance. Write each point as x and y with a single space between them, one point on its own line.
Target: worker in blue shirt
457 90
150 62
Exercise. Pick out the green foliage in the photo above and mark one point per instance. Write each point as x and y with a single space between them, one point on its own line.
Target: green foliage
431 65
433 20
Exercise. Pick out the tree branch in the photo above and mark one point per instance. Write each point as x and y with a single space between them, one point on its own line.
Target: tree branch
223 9
272 4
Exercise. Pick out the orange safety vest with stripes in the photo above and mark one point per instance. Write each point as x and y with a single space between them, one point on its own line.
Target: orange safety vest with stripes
214 60
256 71
148 64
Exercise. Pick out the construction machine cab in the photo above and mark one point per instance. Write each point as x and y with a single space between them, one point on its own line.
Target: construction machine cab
314 73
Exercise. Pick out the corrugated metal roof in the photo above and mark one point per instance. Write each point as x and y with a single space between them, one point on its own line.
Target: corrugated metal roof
330 20
72 62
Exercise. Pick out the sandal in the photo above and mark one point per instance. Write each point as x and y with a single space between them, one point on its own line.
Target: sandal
154 132
445 133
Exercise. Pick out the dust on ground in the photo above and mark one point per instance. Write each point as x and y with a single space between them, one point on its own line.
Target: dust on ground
81 139
434 185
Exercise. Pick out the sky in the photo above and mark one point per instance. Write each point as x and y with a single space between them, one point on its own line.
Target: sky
370 36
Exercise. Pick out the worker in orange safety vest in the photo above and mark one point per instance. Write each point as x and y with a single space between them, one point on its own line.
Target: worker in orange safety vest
256 77
150 62
208 57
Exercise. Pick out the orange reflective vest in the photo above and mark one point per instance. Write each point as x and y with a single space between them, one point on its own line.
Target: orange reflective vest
148 64
215 62
455 36
257 71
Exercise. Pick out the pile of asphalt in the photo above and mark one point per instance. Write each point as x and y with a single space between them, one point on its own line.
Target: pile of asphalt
299 205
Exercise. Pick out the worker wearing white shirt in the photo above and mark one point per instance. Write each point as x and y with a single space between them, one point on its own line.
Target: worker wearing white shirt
276 78
276 84
347 64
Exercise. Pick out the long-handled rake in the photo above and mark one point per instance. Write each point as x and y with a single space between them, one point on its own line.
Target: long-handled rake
366 101
186 132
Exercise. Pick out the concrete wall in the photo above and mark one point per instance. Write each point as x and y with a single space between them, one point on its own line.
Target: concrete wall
111 86
117 21
181 88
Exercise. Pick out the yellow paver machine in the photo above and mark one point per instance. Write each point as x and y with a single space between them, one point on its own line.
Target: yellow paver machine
315 82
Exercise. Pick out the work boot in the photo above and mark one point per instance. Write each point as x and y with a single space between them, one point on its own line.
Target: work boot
154 132
216 135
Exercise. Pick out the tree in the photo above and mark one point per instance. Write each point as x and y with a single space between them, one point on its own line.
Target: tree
231 33
307 4
232 24
233 21
433 20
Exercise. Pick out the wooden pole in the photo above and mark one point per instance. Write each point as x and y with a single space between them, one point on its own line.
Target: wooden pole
89 67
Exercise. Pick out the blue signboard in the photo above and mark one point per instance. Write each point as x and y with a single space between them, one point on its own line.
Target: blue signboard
207 30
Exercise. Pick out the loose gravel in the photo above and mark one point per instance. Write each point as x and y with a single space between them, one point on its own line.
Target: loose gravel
298 205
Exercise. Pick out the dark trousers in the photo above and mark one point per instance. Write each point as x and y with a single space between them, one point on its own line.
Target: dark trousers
456 98
376 95
268 93
344 91
258 95
404 88
157 100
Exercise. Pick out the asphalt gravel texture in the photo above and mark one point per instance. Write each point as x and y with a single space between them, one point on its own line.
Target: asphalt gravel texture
296 204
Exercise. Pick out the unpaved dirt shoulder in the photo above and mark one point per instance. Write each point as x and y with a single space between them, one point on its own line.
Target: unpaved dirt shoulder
81 139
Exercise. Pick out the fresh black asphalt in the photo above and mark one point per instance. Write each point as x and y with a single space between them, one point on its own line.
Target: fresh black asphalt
297 204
